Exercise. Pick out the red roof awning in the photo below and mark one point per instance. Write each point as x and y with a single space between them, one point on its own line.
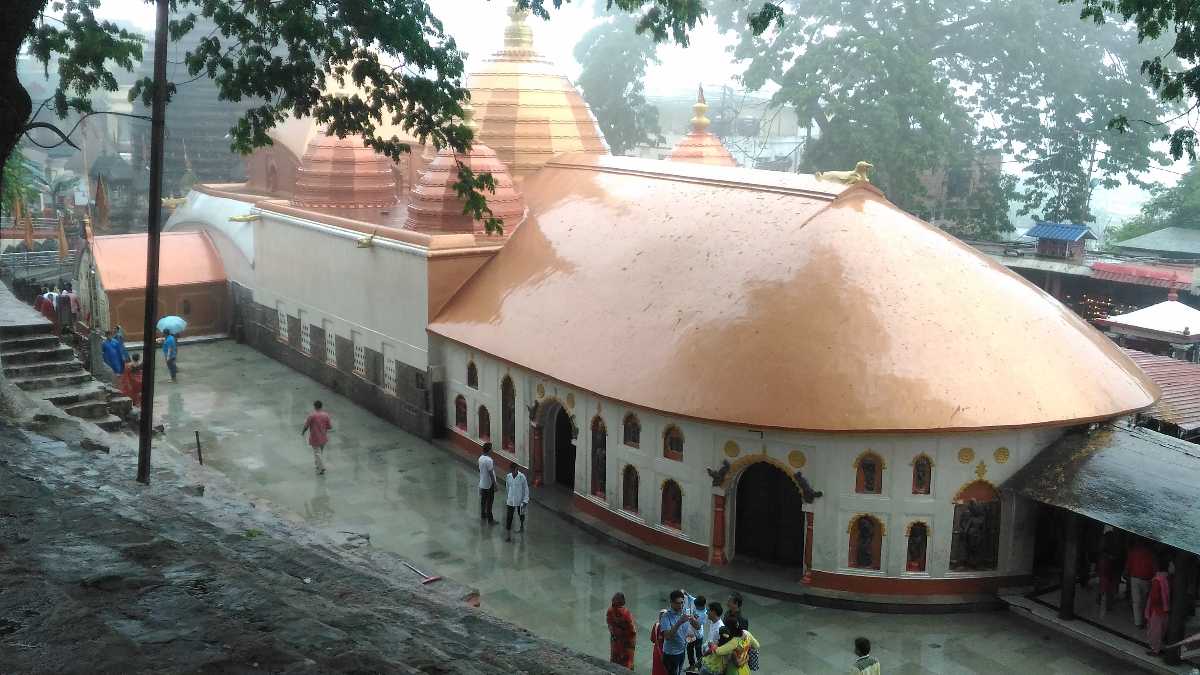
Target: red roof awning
1145 275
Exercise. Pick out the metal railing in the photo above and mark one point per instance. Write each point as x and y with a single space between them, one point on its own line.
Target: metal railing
27 260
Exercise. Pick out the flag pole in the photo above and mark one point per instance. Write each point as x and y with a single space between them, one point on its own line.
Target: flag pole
153 226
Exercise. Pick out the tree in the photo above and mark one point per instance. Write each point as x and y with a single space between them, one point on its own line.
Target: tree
614 59
923 89
290 55
1176 206
1175 84
16 184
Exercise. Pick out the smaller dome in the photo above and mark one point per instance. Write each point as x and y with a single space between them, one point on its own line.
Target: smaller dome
700 146
434 206
342 173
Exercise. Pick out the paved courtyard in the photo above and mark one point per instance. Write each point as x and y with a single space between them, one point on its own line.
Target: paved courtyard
418 501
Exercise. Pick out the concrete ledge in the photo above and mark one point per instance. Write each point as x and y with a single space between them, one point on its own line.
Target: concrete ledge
1098 638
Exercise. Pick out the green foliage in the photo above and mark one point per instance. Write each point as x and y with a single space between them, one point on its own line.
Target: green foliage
614 59
661 19
925 89
1176 206
1175 84
17 183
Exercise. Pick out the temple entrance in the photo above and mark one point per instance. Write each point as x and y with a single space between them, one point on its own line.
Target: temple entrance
564 451
770 516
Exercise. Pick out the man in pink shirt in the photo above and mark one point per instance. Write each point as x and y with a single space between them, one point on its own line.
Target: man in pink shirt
318 426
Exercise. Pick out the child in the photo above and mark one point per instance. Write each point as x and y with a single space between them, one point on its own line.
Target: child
695 607
712 627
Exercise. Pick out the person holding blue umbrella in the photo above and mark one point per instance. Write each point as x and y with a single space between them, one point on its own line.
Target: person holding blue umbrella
170 351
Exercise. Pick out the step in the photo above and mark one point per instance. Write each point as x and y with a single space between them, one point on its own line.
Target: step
24 342
56 352
88 410
120 405
36 383
59 367
33 328
110 423
70 395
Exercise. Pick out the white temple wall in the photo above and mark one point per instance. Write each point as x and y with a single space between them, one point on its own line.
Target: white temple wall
828 461
377 294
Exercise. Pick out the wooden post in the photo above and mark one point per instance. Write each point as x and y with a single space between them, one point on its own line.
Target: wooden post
1070 554
1185 567
153 226
718 537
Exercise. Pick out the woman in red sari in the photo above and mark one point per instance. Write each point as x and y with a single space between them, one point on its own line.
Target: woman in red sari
622 633
656 637
130 383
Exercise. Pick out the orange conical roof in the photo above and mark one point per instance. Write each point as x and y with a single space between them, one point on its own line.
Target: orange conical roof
342 173
526 110
700 146
434 206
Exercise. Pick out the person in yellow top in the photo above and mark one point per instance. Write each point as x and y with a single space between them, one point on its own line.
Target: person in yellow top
737 650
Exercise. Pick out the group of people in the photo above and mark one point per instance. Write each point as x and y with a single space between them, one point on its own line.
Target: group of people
126 369
59 304
1149 584
516 487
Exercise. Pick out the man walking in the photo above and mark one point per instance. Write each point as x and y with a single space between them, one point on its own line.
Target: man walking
676 627
864 663
170 352
317 425
487 484
1140 564
516 499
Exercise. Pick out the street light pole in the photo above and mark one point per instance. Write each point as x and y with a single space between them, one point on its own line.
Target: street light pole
153 225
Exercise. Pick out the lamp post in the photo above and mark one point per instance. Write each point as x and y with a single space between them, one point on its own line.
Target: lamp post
153 225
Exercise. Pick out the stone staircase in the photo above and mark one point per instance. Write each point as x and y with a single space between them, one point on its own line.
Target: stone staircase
39 363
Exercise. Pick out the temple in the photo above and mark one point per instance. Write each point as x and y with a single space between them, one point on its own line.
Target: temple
724 365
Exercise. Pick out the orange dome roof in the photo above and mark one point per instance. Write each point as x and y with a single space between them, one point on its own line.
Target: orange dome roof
435 207
342 173
527 111
776 300
700 146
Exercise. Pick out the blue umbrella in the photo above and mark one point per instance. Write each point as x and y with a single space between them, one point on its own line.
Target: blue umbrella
172 323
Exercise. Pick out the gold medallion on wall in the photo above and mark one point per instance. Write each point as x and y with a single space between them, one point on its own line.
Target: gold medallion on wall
966 455
1001 455
797 459
541 390
732 449
980 470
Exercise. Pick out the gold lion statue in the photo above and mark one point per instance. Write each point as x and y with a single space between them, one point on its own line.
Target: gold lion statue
860 174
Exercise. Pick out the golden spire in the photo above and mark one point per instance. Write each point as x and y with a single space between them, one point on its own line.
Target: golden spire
517 36
700 121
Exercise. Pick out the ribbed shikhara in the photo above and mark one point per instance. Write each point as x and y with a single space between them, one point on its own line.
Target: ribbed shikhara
341 173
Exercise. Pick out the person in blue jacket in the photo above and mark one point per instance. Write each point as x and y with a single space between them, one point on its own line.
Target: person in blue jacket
110 351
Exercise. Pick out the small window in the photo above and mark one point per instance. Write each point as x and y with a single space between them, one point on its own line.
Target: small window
472 375
866 542
672 505
922 476
632 431
629 489
508 414
673 443
918 542
868 474
599 456
485 424
460 412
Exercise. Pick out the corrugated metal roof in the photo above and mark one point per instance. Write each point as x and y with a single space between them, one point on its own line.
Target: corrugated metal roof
1129 477
1168 239
1060 232
1160 276
1180 384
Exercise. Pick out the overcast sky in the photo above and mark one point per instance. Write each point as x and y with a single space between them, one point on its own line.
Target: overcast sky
478 27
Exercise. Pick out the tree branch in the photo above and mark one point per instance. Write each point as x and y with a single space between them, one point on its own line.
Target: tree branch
51 127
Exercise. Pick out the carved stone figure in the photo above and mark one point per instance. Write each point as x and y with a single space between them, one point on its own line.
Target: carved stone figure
860 174
806 490
921 477
916 547
974 530
718 476
869 473
866 540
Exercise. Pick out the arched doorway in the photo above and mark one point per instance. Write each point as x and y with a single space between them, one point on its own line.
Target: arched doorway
564 450
769 515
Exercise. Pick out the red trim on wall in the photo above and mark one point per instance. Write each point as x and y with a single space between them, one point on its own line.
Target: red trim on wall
647 534
892 586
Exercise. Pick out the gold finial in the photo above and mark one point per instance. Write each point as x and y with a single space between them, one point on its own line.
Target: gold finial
516 34
700 121
367 241
860 174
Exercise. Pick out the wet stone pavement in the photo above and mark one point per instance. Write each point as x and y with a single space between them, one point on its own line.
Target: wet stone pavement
416 500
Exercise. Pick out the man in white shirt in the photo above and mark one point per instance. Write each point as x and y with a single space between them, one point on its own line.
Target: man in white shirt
487 484
516 499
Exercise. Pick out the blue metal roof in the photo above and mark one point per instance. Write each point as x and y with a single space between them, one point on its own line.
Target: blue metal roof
1060 232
